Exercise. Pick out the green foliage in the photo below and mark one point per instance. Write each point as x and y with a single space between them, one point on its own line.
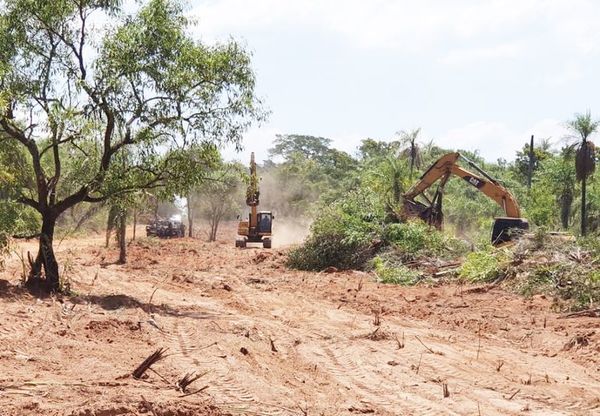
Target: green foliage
218 196
371 149
415 238
286 145
389 177
342 236
311 172
399 274
541 152
484 265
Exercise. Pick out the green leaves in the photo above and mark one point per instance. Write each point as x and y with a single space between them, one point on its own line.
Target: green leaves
131 103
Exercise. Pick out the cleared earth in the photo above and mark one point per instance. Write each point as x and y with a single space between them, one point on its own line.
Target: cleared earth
272 341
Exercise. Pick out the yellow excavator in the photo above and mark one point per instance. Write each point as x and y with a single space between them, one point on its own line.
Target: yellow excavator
258 227
429 209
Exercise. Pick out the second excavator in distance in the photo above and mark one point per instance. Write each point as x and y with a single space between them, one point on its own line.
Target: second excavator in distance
429 209
258 227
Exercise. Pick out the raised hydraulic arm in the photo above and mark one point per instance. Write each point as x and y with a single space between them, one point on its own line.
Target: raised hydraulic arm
431 210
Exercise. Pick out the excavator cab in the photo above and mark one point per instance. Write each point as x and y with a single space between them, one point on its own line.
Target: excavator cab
265 222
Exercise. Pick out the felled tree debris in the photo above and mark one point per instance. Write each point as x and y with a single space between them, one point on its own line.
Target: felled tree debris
592 313
153 358
188 379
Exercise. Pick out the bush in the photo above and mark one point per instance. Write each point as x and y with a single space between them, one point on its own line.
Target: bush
399 274
345 235
483 266
320 252
417 238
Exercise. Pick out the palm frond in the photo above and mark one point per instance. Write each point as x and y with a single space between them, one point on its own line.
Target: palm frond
585 160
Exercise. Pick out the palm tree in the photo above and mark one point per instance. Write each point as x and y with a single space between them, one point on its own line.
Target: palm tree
413 149
585 158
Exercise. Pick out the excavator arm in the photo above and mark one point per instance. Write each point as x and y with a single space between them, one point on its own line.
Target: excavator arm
441 171
447 166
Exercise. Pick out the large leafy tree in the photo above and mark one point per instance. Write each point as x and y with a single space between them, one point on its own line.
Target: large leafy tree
75 93
585 158
286 145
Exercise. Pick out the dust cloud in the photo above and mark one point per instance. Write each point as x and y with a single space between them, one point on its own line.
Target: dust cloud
289 231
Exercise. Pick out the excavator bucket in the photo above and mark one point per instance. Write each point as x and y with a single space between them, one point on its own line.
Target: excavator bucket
506 229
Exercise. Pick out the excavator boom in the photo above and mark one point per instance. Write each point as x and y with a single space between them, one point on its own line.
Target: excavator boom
441 170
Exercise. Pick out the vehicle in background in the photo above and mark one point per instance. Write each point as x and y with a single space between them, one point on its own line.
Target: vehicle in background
165 229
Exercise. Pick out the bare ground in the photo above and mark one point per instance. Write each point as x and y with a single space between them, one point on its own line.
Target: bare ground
278 342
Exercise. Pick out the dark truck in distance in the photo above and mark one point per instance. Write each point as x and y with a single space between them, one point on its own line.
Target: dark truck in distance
165 229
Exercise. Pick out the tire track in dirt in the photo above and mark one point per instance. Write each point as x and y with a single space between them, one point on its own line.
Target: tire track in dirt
456 364
322 359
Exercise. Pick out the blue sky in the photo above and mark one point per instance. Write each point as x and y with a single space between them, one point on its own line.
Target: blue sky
472 74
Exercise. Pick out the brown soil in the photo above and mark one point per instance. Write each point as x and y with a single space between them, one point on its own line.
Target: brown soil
278 342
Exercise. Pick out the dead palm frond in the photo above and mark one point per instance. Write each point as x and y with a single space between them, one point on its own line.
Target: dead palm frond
153 358
585 160
413 149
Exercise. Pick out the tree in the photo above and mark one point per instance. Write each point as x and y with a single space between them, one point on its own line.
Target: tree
219 197
74 97
413 150
285 145
585 158
375 149
527 162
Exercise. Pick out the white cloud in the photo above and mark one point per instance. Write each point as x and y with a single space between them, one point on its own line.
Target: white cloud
549 43
408 25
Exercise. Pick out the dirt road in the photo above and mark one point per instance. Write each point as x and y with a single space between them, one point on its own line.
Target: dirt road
272 341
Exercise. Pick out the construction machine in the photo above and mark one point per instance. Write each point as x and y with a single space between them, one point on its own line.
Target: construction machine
257 229
429 209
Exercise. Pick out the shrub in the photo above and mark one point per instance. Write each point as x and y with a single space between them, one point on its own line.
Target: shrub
540 280
400 274
417 238
581 287
483 266
320 252
345 235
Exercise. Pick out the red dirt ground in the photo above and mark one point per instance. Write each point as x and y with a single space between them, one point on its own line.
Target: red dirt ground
273 341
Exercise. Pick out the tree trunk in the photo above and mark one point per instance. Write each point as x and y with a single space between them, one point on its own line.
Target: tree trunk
122 237
134 223
583 207
190 214
531 163
214 230
46 258
566 200
111 222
